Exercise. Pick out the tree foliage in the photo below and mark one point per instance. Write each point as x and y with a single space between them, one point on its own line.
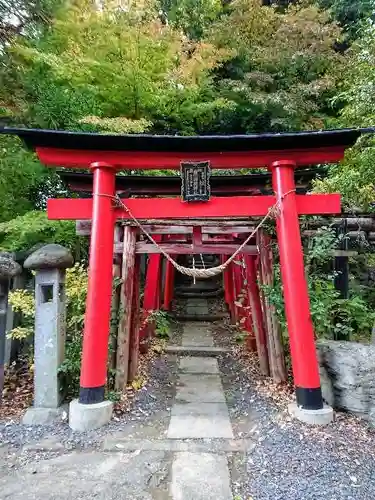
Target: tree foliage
354 178
32 228
284 67
350 14
20 175
24 17
93 74
332 316
193 17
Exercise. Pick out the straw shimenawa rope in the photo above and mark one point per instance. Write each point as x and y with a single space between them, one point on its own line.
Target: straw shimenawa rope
208 272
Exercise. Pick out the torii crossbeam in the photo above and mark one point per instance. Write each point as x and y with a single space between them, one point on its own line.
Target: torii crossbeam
105 154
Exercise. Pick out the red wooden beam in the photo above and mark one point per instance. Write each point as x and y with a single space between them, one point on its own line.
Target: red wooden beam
174 208
163 160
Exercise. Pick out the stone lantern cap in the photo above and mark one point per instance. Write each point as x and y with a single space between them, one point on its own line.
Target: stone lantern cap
9 268
50 256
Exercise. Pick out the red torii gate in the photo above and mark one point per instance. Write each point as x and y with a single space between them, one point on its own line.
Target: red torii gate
104 154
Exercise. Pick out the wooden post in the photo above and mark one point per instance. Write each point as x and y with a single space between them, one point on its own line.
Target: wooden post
151 297
168 286
230 293
243 310
250 338
135 322
257 314
126 299
274 338
237 290
116 272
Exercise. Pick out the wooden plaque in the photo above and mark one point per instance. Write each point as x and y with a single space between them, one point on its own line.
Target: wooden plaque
195 177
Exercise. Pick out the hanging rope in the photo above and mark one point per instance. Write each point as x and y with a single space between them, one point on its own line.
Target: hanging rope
272 213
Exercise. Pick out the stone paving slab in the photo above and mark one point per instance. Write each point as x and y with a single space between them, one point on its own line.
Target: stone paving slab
199 365
200 389
196 409
196 306
196 350
200 476
191 328
219 445
87 475
200 426
193 395
199 340
204 382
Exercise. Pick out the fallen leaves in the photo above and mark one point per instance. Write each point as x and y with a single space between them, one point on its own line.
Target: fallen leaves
17 392
156 348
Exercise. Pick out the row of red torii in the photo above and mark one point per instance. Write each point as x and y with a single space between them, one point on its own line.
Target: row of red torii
106 154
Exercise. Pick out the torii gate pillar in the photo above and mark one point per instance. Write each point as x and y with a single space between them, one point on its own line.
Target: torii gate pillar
99 291
297 306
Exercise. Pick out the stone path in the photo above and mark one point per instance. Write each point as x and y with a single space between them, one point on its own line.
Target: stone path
199 412
196 307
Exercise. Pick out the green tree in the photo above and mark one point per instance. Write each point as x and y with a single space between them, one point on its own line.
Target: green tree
284 67
118 70
24 17
350 14
354 178
20 175
192 16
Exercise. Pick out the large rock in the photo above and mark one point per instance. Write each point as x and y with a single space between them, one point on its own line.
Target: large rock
49 257
8 266
348 376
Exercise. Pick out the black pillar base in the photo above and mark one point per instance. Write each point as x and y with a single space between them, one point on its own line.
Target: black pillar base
309 399
91 395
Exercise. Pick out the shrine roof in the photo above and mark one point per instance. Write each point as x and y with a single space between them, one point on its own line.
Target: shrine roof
38 138
171 184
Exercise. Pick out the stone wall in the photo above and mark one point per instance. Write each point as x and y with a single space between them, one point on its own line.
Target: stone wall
347 372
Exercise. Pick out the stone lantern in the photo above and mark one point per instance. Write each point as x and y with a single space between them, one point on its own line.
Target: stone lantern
49 262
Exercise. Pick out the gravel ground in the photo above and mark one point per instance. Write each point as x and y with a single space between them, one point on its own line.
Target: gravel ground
291 461
176 335
148 414
216 305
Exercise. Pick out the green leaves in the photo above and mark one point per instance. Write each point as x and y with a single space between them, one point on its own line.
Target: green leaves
161 320
332 316
283 66
25 231
20 175
354 178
